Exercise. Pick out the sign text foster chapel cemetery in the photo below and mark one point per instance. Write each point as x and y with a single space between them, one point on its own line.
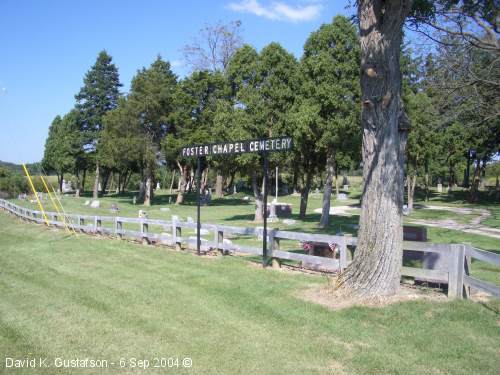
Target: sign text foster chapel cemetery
239 147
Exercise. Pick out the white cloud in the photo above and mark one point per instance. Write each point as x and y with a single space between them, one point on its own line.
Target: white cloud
278 10
176 63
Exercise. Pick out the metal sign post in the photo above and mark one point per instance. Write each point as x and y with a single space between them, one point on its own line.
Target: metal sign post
198 219
263 146
264 232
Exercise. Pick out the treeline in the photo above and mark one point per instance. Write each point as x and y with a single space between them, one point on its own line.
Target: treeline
251 95
240 93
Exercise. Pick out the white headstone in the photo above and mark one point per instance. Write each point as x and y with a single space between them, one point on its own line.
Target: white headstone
227 241
288 221
164 209
342 197
143 214
95 204
87 202
158 186
440 188
246 198
346 187
175 218
203 232
134 200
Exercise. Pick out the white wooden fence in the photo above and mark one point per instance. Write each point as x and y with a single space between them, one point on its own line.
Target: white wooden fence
455 257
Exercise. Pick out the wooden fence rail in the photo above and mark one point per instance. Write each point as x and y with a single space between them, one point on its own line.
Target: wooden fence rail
453 256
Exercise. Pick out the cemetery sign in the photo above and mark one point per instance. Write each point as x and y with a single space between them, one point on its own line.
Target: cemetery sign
263 146
239 147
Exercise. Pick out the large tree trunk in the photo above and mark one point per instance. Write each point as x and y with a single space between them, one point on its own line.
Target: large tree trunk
183 176
426 181
376 267
61 179
95 193
148 190
172 182
475 183
83 180
295 177
78 184
105 179
304 195
327 192
219 185
259 202
337 189
411 182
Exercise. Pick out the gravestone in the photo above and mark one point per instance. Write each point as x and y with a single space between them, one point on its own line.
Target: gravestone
134 200
412 233
203 232
440 188
175 218
114 208
143 214
164 209
406 210
342 196
288 221
87 202
234 189
346 187
95 204
227 241
158 186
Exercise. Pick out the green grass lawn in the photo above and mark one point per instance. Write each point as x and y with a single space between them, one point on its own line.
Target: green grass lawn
233 210
84 297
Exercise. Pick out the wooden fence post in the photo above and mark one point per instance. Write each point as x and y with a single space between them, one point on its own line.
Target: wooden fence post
81 223
219 240
118 228
176 236
343 253
456 271
97 224
144 232
275 245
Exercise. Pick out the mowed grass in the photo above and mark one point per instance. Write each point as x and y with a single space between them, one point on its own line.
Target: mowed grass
95 298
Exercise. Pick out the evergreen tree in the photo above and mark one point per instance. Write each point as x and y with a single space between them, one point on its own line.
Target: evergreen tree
329 94
151 102
99 94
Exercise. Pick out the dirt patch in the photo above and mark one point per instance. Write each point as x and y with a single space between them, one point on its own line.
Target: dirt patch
327 296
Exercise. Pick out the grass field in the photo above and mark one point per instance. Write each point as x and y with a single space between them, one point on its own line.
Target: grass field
105 299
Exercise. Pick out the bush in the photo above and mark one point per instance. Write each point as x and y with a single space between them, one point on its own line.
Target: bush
12 183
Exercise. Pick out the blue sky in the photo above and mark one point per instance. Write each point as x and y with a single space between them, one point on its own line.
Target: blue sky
47 46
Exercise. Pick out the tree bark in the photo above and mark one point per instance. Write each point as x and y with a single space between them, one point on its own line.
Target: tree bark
304 195
219 185
83 180
172 182
183 176
337 188
78 183
412 181
95 193
327 192
259 204
376 267
148 189
426 181
105 179
61 182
